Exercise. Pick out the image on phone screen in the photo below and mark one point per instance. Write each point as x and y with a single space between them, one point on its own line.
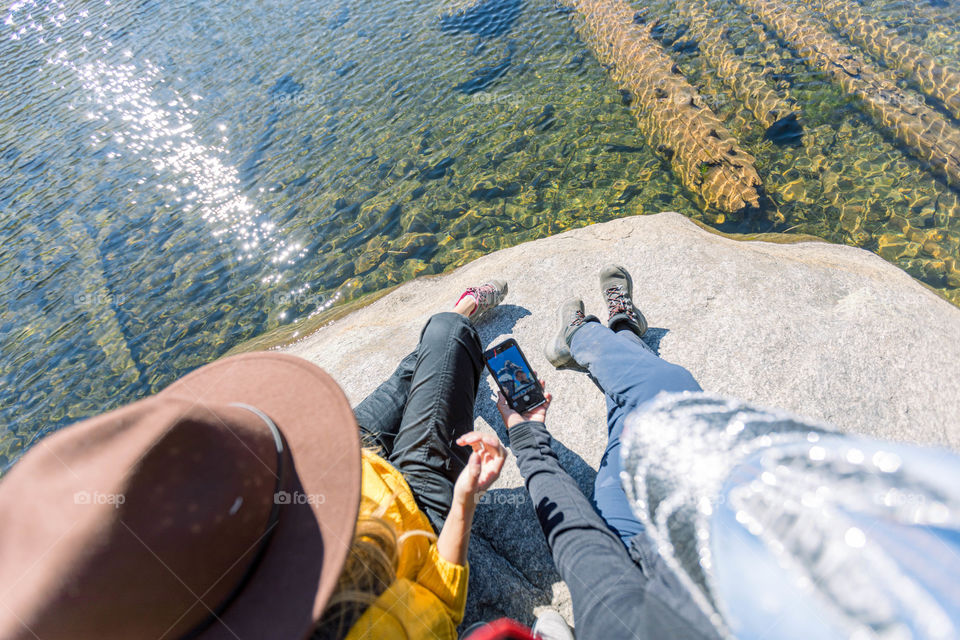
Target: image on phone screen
514 376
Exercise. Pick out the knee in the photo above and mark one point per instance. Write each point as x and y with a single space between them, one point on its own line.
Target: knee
677 378
441 328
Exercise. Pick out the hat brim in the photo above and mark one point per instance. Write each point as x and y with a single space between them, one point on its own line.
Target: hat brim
299 568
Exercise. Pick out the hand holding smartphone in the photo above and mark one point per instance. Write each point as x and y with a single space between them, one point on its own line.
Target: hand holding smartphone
516 379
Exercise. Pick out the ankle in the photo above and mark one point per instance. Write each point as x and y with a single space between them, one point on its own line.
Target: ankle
466 305
628 324
574 328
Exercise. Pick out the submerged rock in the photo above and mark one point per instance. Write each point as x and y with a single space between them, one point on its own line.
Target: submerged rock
285 86
420 221
486 76
484 18
485 191
438 170
340 18
785 131
416 245
827 331
546 119
370 258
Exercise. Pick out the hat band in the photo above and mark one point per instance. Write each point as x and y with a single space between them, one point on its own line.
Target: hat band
267 534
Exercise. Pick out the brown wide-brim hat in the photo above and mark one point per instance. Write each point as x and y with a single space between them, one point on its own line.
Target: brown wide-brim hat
280 583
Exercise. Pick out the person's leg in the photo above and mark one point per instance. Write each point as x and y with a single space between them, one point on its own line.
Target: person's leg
626 371
630 374
609 498
612 598
380 413
439 409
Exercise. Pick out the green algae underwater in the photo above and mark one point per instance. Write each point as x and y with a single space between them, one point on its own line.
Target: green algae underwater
181 177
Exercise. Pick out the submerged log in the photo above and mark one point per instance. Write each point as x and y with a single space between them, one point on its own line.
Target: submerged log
935 78
672 115
97 302
924 130
763 101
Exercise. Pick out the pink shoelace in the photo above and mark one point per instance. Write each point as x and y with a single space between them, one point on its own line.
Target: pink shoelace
617 302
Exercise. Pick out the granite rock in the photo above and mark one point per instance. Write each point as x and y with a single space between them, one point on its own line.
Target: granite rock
829 331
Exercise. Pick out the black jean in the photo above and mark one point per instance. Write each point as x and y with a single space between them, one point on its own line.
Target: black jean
614 595
416 416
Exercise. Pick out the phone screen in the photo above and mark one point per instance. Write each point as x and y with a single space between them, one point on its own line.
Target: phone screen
514 376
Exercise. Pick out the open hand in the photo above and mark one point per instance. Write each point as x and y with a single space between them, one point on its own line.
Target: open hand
483 467
511 418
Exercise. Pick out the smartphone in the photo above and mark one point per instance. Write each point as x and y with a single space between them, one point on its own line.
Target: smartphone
513 375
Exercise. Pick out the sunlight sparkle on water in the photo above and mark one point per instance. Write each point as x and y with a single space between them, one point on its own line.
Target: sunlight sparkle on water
161 132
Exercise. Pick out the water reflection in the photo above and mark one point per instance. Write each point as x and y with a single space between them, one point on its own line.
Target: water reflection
162 134
178 177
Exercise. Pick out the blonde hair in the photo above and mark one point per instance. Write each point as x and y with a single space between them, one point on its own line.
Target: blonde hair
370 568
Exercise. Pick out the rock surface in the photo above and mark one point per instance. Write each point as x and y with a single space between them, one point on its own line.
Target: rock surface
828 331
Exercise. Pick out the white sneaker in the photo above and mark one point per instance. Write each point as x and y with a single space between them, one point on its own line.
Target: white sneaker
550 625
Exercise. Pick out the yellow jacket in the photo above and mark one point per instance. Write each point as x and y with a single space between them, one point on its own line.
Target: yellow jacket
429 595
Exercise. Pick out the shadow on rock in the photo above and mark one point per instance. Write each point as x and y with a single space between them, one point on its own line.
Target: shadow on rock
652 338
500 321
511 570
577 467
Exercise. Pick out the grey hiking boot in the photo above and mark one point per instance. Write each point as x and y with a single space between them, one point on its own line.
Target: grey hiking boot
487 295
617 289
571 319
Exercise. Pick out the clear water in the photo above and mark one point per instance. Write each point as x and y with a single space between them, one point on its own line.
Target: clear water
178 177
